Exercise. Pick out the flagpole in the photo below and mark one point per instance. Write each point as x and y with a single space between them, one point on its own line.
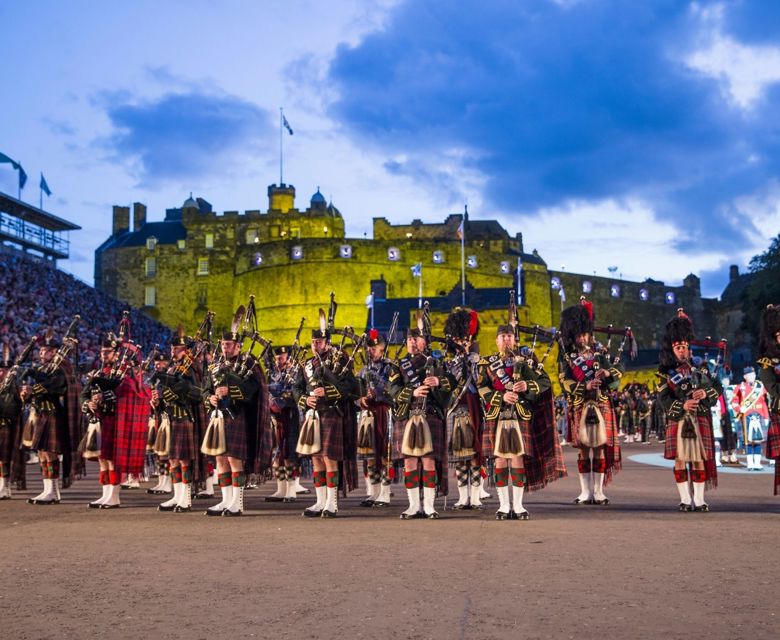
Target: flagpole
519 282
419 299
372 310
281 137
463 257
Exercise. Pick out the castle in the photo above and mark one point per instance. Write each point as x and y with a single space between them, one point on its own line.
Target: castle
197 260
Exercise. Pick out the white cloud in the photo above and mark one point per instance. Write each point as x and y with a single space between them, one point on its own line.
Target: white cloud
744 71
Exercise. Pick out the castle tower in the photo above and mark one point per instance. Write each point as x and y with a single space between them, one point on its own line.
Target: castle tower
281 198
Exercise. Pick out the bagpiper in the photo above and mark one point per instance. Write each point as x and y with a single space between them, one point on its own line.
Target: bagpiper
51 428
421 389
176 392
687 396
464 415
117 399
769 374
234 391
587 376
375 421
324 390
10 419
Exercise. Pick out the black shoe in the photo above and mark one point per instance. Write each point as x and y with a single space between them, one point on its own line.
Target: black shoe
703 508
156 492
412 516
162 508
327 514
512 515
274 499
42 502
432 516
213 512
463 507
311 513
685 508
109 506
227 513
502 515
91 505
288 500
523 515
378 504
202 495
603 502
178 509
368 502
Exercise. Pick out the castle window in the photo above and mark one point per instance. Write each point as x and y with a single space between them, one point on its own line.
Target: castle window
438 257
150 296
203 266
257 259
504 266
587 286
151 243
555 283
393 254
345 251
209 241
295 232
670 298
297 252
274 230
471 262
644 295
252 236
614 290
181 244
202 296
150 267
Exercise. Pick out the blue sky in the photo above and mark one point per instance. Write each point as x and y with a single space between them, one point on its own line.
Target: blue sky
637 134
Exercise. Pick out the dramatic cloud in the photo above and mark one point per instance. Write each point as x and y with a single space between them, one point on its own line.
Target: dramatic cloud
554 103
185 135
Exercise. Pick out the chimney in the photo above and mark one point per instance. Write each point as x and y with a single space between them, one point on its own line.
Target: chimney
121 220
733 272
139 216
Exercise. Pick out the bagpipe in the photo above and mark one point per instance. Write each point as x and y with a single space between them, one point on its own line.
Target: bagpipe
15 371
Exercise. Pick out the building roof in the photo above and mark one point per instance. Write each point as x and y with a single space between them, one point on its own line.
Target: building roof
166 232
34 215
732 294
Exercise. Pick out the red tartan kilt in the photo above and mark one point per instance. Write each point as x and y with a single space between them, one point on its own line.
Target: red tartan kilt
107 437
182 440
437 437
773 437
8 427
332 434
489 437
46 435
235 437
610 423
707 440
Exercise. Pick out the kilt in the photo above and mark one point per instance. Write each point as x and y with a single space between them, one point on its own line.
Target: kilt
285 436
489 437
381 413
575 414
8 427
437 437
332 434
182 440
45 432
107 437
235 437
704 422
469 402
773 446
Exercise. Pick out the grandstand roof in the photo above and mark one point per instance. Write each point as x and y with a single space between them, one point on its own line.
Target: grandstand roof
34 215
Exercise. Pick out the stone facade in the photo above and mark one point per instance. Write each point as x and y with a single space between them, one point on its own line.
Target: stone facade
290 259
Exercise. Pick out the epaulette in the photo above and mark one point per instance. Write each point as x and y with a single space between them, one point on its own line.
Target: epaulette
765 363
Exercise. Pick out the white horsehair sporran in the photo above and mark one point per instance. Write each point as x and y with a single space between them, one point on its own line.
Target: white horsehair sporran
310 438
417 441
214 441
592 430
365 441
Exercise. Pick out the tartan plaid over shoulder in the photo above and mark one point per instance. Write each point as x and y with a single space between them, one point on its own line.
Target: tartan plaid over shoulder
546 465
131 424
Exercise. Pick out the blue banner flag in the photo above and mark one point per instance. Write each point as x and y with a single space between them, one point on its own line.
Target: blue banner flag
5 158
286 124
44 186
417 270
22 177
